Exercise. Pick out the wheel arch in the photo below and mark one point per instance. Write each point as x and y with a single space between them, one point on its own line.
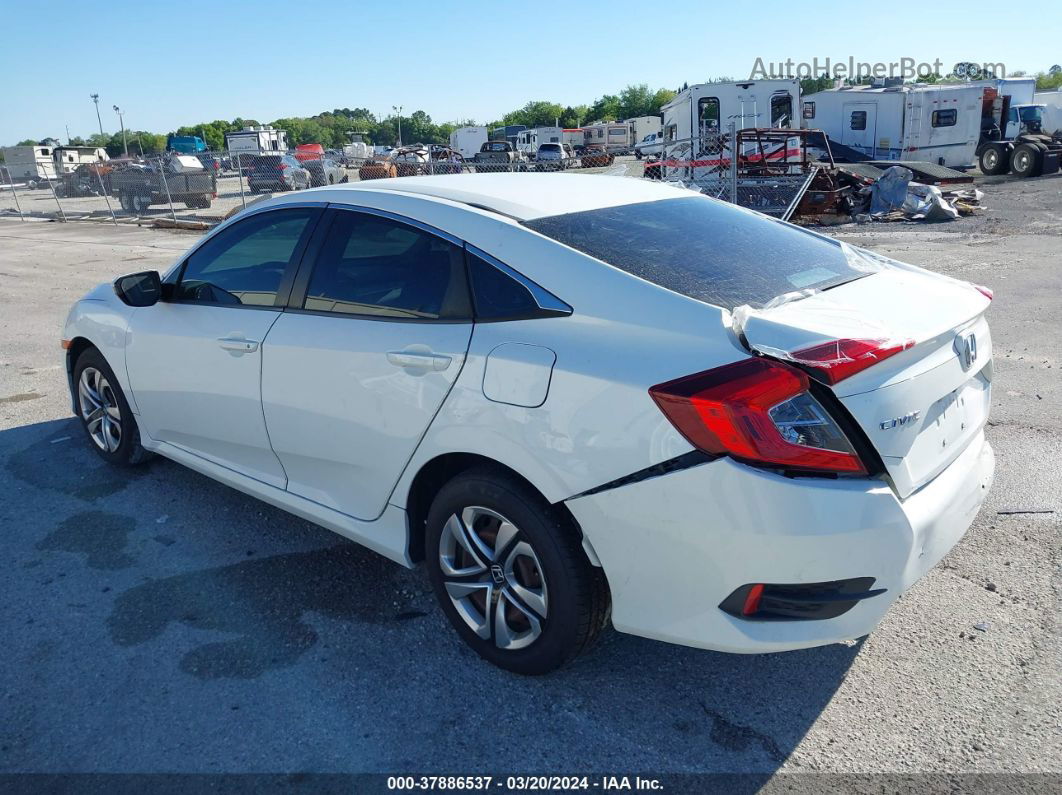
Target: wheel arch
78 345
440 470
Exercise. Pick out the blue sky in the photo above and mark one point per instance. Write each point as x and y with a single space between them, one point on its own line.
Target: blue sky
183 62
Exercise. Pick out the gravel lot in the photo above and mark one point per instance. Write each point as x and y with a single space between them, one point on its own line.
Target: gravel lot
158 621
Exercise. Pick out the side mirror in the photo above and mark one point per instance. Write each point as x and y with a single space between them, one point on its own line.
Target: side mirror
139 289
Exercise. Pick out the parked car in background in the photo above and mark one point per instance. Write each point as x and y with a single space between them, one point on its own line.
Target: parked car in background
276 173
652 144
210 162
379 168
597 157
411 161
554 157
448 370
324 172
304 152
499 156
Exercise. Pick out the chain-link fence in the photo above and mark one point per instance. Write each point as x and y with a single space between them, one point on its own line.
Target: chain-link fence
206 187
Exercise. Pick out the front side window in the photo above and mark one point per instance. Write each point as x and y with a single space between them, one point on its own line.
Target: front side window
858 120
944 118
245 264
378 267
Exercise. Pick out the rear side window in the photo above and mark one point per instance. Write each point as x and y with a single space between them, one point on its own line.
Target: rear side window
707 250
245 264
858 120
374 266
497 296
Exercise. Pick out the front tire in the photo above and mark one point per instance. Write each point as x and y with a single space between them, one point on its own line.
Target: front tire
104 412
510 573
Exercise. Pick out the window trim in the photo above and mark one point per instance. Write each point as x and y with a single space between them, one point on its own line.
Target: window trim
173 277
301 282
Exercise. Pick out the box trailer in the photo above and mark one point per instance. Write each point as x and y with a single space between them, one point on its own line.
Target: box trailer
931 123
466 141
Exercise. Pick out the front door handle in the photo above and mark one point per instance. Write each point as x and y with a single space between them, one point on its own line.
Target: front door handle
419 360
238 344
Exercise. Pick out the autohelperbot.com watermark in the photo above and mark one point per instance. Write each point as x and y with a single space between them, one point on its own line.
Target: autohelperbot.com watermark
851 69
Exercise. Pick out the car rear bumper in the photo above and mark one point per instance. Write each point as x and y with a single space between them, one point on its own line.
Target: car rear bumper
673 547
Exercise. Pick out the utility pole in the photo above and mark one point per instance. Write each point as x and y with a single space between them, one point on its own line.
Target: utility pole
96 101
398 109
121 121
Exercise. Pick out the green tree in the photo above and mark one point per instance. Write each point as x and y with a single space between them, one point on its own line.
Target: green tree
1050 80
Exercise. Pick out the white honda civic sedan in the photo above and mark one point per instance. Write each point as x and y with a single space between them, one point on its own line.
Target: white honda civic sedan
573 398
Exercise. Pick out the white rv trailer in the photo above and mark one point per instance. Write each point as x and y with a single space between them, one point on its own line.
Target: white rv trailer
613 135
706 109
29 163
466 141
932 123
573 136
529 140
68 158
643 126
256 140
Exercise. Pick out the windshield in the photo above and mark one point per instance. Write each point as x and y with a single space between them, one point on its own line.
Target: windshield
548 148
707 250
1031 113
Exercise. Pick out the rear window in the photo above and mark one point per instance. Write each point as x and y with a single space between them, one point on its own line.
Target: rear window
707 250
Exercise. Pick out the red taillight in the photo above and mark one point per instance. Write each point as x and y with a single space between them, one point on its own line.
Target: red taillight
985 291
759 411
836 360
283 166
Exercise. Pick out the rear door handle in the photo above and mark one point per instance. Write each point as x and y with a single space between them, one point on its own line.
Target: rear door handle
238 344
420 361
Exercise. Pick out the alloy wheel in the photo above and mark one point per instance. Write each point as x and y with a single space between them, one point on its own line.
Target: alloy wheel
493 577
99 409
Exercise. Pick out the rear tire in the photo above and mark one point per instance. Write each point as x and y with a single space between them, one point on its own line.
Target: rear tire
1025 160
510 573
105 415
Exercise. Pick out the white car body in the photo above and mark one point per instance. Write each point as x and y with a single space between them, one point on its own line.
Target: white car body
329 418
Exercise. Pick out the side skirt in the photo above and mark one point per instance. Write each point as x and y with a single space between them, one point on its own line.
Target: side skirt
387 536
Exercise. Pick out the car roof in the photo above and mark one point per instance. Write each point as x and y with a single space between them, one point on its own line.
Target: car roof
526 196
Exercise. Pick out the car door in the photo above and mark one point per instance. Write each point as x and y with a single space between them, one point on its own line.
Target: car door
375 336
194 359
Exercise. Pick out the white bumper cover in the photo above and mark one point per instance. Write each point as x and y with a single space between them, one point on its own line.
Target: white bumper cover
673 547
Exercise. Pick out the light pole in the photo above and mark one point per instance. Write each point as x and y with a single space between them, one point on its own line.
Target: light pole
96 101
121 121
398 109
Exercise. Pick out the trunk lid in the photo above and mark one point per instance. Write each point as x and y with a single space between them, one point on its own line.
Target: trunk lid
920 407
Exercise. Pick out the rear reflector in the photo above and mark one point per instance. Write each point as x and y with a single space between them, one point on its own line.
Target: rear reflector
837 360
758 411
752 600
65 344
